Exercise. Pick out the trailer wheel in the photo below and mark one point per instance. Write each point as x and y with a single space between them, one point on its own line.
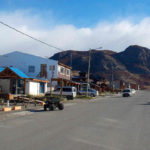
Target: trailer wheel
51 107
45 107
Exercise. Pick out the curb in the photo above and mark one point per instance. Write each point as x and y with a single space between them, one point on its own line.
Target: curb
6 109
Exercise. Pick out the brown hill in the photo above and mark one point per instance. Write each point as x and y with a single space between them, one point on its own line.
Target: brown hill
133 64
135 58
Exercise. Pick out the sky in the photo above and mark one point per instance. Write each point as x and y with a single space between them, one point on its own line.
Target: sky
74 24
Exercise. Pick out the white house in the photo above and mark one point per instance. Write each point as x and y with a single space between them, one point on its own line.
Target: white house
35 66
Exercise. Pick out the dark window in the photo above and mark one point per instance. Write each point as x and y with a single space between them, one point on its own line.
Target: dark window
62 70
31 69
68 72
126 90
67 89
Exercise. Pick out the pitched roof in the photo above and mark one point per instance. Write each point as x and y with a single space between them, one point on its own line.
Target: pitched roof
18 72
18 53
1 69
64 65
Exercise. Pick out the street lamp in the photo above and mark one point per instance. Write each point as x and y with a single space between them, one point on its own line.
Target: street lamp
89 65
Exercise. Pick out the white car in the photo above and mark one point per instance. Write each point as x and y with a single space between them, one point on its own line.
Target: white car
68 91
133 91
127 92
91 92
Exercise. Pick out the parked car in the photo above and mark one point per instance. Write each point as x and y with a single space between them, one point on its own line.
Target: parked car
91 92
67 91
133 91
127 92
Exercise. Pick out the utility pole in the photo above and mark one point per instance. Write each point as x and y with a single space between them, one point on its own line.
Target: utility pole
112 75
52 69
88 75
112 78
89 66
61 88
71 59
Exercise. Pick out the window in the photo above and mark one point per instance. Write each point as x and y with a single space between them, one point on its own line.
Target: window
62 70
68 72
31 69
67 89
51 67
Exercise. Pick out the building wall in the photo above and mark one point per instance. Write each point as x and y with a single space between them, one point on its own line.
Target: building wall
65 74
22 61
46 88
5 85
116 85
33 88
134 86
27 88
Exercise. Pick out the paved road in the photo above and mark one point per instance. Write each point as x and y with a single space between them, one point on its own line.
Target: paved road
106 124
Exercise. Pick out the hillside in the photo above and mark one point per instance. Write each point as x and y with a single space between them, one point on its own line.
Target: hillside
135 58
133 64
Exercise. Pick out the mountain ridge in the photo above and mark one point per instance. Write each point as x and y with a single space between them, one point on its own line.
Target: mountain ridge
131 64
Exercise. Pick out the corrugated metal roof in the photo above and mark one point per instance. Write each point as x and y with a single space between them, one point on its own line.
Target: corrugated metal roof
1 69
19 72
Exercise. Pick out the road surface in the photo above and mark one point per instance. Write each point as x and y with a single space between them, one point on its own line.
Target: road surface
110 123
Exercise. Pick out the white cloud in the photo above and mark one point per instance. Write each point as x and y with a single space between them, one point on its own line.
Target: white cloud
116 36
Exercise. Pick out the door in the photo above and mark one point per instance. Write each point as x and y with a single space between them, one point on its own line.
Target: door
42 87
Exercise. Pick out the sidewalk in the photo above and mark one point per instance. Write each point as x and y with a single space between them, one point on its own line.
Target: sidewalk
30 107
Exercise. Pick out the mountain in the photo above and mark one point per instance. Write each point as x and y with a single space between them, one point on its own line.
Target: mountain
135 58
133 64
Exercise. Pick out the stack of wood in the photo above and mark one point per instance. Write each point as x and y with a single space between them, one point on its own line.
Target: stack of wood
30 100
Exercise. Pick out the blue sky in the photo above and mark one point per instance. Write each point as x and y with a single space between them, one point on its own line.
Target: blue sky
74 24
81 13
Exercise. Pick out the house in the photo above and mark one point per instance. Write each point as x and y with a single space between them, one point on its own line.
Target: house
81 77
14 81
38 67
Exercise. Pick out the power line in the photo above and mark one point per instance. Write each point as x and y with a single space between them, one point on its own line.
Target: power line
49 45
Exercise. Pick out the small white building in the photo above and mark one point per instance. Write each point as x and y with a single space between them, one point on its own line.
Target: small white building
36 67
15 82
